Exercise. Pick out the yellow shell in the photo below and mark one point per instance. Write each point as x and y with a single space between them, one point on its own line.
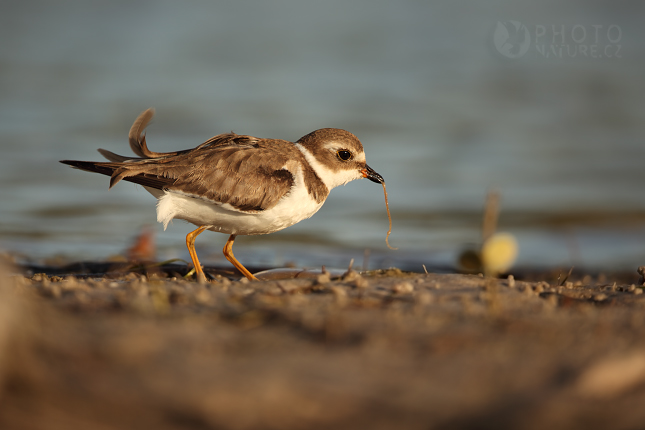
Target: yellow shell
499 253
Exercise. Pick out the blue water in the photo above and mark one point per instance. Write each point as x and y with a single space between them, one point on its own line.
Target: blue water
444 114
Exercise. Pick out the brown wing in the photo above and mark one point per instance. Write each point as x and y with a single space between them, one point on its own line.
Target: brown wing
248 173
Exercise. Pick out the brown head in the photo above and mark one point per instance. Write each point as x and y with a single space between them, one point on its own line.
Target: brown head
337 156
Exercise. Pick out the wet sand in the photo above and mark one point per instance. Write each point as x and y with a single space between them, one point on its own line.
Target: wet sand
380 350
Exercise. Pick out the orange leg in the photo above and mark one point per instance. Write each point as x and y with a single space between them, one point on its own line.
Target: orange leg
228 253
190 243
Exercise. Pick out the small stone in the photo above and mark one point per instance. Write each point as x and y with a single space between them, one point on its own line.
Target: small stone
288 286
638 291
600 297
351 275
511 281
403 288
361 283
323 278
38 277
612 376
132 277
538 288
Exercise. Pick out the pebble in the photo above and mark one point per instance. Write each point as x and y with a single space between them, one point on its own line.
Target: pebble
361 283
323 278
403 288
600 297
612 376
351 275
288 287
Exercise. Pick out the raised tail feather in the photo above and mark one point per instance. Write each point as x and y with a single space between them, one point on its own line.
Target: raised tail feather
137 140
125 168
115 168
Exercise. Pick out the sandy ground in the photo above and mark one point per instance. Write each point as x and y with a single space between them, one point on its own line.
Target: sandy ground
379 350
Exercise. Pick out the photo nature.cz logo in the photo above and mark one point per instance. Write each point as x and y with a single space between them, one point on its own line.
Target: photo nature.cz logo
513 39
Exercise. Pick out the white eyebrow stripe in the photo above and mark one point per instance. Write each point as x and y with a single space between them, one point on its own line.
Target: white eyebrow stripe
335 146
330 178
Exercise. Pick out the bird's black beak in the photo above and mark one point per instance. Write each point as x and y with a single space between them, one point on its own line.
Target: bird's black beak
370 174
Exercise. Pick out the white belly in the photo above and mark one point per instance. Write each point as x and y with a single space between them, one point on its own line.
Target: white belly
293 208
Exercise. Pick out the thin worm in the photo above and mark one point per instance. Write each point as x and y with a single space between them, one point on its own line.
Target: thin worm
389 218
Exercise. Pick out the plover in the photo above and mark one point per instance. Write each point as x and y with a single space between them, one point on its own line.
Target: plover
237 184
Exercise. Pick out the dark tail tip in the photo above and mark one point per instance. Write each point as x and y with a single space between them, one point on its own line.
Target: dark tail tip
90 166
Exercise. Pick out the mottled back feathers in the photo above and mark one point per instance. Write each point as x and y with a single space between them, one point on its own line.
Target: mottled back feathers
224 169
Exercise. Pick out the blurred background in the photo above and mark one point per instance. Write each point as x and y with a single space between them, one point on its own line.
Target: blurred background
542 101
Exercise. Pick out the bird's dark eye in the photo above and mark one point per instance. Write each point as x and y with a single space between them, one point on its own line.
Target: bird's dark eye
344 154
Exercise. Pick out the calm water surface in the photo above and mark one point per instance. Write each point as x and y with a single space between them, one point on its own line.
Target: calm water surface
444 114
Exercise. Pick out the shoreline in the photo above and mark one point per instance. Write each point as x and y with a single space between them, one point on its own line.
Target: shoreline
386 349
